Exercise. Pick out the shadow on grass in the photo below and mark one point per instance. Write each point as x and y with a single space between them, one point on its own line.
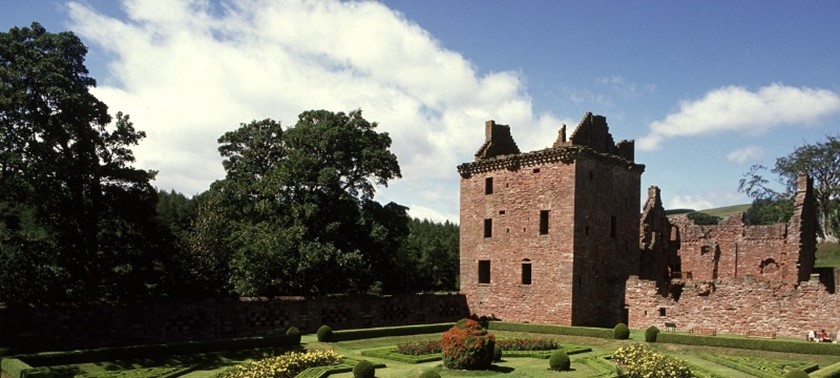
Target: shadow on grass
203 361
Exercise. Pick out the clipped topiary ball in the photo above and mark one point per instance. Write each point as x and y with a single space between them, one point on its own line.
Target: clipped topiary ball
621 332
797 373
559 361
430 374
293 331
364 369
651 333
497 353
325 333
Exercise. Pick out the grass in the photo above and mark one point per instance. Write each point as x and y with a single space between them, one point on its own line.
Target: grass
706 362
828 255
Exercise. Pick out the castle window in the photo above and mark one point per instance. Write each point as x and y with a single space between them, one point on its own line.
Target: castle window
488 185
591 176
536 170
488 228
612 225
526 272
484 271
586 230
544 222
501 212
705 249
662 311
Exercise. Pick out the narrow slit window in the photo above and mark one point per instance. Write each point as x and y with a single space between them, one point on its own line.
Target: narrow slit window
613 225
484 271
544 222
488 185
526 272
488 228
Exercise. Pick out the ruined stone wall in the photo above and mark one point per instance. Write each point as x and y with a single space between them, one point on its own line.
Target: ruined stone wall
514 207
91 325
781 253
737 306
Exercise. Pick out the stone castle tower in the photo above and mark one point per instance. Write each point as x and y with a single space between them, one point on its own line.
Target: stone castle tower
550 236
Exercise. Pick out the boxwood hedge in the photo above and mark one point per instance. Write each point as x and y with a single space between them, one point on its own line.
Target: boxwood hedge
603 333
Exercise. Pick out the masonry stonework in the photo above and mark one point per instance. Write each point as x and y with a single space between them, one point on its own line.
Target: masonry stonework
554 236
550 236
732 277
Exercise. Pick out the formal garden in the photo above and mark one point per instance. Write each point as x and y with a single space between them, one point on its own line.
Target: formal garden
464 349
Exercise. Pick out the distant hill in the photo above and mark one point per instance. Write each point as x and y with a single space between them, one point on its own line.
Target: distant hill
722 212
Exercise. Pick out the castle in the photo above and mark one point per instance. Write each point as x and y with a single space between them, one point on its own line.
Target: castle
555 236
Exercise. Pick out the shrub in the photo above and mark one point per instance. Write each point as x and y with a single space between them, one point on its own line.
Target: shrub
364 369
603 333
468 346
293 331
430 374
559 361
287 365
325 333
638 360
419 348
527 344
796 373
370 333
497 353
621 332
651 333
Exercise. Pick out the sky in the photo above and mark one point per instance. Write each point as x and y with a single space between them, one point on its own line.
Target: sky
705 88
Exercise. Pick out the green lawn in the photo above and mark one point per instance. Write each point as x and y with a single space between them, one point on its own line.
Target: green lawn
828 255
712 362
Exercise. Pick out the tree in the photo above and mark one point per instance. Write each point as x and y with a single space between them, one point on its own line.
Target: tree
821 161
299 202
700 218
67 187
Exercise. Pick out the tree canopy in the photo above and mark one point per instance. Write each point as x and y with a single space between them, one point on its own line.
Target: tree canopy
78 221
821 161
298 207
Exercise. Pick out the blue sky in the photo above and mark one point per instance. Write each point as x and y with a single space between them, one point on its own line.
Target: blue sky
706 88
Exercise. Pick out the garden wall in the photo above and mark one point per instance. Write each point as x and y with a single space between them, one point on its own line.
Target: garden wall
737 306
90 325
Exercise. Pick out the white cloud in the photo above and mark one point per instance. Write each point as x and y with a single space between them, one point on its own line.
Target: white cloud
689 202
188 71
746 154
736 109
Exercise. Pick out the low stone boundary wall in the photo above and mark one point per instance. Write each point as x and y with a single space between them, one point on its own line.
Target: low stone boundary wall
30 328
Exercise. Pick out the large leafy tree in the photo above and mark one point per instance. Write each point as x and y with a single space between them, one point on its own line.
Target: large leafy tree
78 220
821 161
299 207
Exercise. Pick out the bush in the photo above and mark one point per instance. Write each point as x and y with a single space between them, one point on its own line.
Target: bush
559 361
796 373
468 346
287 365
602 333
430 374
293 331
758 344
527 344
638 360
651 333
497 353
419 348
621 332
325 333
370 333
364 369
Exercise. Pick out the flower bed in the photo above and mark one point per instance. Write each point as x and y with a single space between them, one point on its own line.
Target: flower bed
284 366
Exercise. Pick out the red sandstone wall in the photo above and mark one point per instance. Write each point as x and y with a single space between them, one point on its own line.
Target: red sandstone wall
89 325
603 259
737 306
520 194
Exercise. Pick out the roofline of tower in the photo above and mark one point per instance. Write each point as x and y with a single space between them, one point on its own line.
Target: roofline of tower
565 154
